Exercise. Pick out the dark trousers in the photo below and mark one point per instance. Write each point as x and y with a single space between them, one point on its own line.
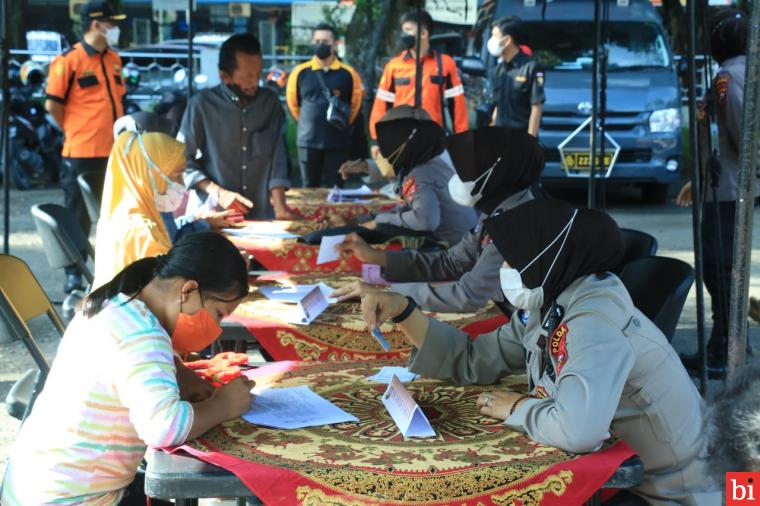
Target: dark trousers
319 167
72 196
718 253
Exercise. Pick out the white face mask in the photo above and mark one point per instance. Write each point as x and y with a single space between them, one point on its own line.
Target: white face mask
386 166
511 280
461 192
171 199
112 36
494 46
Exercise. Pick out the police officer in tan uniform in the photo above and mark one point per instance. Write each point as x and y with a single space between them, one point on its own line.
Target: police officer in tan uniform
596 366
495 170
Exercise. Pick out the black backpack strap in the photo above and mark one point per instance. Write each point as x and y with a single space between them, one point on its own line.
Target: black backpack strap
442 87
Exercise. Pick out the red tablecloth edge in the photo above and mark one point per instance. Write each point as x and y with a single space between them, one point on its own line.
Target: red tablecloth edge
587 477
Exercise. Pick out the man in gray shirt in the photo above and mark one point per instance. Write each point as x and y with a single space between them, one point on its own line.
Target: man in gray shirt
234 139
495 169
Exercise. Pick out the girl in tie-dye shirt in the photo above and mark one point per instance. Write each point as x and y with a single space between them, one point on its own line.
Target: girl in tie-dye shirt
113 389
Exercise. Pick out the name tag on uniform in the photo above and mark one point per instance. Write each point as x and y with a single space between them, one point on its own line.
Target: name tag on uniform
521 79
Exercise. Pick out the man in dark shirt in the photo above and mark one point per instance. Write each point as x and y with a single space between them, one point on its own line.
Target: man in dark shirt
233 135
518 85
322 147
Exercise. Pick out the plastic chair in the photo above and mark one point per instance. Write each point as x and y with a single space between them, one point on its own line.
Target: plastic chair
637 245
91 185
21 300
658 287
62 237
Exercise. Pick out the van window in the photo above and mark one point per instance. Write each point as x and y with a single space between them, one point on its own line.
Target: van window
569 45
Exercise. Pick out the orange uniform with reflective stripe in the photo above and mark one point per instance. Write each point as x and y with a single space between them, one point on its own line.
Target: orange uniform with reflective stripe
90 87
397 88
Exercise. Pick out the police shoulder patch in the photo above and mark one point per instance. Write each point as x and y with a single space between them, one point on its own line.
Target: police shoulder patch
409 188
558 347
721 87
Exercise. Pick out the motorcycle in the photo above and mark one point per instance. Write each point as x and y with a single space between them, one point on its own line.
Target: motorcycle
34 140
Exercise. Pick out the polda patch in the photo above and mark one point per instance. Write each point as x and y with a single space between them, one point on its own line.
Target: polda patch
558 347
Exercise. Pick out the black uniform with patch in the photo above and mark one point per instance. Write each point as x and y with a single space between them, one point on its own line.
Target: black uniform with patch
517 85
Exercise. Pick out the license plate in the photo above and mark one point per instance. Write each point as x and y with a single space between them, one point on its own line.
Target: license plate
582 160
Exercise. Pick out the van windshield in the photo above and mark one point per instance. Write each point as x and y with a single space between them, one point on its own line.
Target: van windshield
566 45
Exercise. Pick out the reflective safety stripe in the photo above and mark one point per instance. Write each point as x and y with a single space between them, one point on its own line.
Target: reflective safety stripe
386 95
454 92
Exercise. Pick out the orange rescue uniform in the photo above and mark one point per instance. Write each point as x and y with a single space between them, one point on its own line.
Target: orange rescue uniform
90 87
440 83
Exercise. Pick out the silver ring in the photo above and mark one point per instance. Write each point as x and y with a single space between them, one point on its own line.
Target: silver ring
487 401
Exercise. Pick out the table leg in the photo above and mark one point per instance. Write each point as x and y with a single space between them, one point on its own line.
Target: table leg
595 500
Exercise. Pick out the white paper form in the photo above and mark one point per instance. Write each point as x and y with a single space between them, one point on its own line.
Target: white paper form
253 232
293 408
407 414
294 293
386 375
328 251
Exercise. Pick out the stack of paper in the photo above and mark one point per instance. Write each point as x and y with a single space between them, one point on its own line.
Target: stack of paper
349 195
263 230
293 408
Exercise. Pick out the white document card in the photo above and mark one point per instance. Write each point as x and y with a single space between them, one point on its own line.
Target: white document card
407 414
328 248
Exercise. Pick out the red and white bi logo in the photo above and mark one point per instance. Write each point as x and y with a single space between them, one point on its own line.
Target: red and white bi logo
742 489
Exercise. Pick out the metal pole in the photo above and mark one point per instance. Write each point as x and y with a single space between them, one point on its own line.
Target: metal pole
696 190
745 200
594 111
418 60
4 119
190 60
604 34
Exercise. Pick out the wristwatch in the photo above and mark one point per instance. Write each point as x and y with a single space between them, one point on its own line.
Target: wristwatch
410 306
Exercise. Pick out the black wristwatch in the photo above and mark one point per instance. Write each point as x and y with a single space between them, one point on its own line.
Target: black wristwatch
410 306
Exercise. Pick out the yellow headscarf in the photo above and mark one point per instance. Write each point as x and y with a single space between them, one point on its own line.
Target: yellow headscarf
130 227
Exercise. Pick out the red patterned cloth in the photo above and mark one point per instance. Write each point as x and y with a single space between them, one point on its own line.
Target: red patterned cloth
339 333
474 460
311 204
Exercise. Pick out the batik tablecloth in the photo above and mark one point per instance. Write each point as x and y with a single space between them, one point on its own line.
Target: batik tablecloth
339 333
474 460
292 255
311 204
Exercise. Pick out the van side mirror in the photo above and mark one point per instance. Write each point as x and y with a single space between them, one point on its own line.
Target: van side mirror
473 65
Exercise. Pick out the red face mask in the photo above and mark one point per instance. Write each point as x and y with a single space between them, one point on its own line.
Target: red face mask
193 332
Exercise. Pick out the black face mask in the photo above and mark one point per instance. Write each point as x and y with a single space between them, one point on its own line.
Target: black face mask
322 50
408 41
239 93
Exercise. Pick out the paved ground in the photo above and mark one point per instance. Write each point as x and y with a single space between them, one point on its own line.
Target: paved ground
668 223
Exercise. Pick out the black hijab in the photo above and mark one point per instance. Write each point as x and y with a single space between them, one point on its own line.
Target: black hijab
594 243
394 129
474 152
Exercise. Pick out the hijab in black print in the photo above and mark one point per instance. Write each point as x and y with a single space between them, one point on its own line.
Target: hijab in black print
594 243
520 162
393 131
